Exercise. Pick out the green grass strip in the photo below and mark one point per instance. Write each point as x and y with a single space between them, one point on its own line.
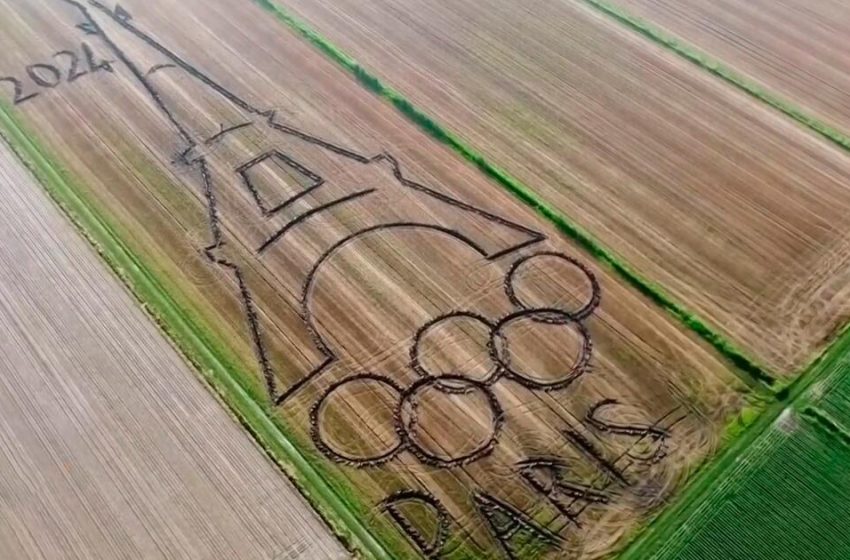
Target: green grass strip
191 340
723 72
754 373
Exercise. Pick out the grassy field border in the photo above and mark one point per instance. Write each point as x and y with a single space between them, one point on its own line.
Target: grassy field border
747 368
230 384
717 68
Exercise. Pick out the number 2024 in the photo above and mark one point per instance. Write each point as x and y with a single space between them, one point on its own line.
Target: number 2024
48 76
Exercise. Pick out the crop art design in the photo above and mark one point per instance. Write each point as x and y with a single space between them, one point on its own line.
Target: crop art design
478 385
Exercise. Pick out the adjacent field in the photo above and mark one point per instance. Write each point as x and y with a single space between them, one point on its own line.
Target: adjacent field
110 447
731 207
434 350
794 49
788 499
787 495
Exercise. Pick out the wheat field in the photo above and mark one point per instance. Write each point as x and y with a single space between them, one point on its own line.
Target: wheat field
442 356
736 210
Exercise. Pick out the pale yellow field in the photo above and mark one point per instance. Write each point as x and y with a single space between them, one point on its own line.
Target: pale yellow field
796 49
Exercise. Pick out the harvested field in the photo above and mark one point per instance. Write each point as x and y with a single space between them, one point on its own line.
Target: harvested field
110 447
738 212
464 378
794 49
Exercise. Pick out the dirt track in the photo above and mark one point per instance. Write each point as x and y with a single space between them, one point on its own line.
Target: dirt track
110 446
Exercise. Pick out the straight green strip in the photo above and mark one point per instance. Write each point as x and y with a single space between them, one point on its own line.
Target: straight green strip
186 335
754 374
723 72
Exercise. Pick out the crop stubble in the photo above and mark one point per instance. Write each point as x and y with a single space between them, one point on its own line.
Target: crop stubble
794 49
97 460
323 244
735 210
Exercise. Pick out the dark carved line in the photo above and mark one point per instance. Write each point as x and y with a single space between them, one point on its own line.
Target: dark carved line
572 489
275 153
281 232
156 68
306 313
184 134
245 295
242 171
290 201
591 452
416 363
251 314
316 431
429 458
396 168
634 444
304 380
256 334
623 429
499 351
271 115
223 130
431 550
583 312
125 23
212 203
490 506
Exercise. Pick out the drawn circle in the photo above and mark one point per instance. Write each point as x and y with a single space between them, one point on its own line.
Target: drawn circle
449 346
524 360
514 275
439 425
333 401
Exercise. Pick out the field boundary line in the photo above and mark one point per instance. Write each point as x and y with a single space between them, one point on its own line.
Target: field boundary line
746 368
226 383
714 66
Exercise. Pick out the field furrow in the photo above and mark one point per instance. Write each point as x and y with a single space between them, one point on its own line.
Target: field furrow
784 496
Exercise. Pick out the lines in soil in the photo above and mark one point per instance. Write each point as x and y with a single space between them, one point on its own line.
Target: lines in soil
751 372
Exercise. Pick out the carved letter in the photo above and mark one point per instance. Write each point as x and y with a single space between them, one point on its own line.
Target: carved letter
430 545
506 521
